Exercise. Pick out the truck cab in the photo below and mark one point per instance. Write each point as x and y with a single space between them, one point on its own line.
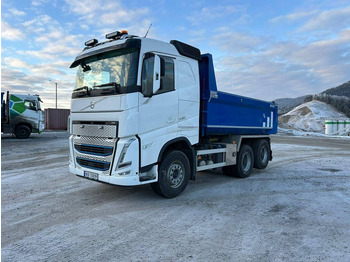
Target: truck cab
132 96
21 115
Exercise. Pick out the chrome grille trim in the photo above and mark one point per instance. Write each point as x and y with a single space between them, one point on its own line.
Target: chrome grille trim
95 130
92 136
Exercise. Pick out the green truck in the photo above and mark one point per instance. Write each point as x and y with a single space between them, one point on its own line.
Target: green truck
21 115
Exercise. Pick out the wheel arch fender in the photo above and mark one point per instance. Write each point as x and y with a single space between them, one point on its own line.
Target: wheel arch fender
182 144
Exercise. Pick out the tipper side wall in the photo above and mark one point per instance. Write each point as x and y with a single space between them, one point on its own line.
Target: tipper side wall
223 113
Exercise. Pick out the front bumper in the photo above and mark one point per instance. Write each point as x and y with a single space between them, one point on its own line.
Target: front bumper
114 180
108 159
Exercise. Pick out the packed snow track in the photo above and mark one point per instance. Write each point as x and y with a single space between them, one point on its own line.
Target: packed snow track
298 209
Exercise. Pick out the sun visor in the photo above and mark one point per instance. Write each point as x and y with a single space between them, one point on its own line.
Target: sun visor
129 43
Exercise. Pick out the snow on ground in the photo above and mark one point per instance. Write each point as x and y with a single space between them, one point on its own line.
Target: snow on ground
297 209
309 117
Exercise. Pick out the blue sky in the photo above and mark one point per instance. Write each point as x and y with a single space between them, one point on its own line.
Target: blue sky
262 49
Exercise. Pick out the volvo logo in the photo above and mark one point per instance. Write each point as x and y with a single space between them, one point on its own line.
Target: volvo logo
92 104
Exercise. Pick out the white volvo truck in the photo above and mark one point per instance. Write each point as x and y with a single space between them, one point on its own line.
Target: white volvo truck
145 111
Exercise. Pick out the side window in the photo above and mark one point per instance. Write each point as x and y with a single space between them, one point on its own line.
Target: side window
166 75
30 105
147 76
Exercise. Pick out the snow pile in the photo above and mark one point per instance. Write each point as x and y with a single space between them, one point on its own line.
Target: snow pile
309 117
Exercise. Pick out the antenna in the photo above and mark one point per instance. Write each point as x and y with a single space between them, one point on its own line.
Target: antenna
148 30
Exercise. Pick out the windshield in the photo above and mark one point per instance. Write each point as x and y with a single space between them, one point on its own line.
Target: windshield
115 71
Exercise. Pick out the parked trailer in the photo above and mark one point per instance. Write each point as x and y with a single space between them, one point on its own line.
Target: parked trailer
148 112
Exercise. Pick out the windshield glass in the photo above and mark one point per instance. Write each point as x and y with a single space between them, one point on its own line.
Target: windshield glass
111 70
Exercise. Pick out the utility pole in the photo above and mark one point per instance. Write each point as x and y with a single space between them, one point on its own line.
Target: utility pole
56 90
56 95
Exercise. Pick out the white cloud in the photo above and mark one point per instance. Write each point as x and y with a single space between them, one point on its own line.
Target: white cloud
292 17
84 7
104 13
53 51
52 41
36 81
285 69
37 3
84 27
53 48
16 63
333 19
16 12
13 13
236 42
10 33
212 13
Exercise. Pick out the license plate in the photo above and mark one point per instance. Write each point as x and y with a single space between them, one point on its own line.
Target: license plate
91 175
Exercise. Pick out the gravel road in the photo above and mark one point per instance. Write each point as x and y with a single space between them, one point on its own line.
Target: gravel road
298 209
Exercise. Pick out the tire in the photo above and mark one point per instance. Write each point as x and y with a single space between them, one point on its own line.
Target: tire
262 153
173 175
22 132
245 162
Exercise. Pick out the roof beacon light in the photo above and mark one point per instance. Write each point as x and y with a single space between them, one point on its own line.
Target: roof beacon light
91 42
116 34
113 35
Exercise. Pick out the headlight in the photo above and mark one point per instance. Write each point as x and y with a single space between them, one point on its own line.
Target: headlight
121 163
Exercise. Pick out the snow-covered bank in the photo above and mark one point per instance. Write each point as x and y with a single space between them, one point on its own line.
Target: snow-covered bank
293 132
308 119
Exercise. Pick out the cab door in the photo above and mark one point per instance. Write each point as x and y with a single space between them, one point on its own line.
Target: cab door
158 103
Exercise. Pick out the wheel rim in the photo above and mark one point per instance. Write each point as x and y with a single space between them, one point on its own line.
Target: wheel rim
263 155
247 162
22 132
176 174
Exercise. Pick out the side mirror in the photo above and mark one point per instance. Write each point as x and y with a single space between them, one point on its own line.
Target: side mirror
156 74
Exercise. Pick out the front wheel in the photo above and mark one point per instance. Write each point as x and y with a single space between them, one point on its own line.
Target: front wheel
173 175
22 131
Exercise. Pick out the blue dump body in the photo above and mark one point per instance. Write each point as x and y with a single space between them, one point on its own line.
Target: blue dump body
223 113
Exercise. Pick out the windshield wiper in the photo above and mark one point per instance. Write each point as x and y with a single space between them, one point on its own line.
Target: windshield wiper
81 91
108 84
114 88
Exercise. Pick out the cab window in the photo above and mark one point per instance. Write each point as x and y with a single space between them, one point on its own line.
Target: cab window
166 75
30 104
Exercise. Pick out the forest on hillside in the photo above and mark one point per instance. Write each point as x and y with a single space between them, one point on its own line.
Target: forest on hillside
341 103
342 90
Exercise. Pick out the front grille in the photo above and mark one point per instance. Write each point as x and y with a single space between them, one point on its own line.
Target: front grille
94 144
93 164
94 149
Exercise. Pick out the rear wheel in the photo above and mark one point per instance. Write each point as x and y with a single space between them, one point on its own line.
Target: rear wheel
244 165
22 131
262 153
173 175
245 162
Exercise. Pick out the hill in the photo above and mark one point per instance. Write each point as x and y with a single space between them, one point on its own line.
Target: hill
287 104
337 96
342 90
